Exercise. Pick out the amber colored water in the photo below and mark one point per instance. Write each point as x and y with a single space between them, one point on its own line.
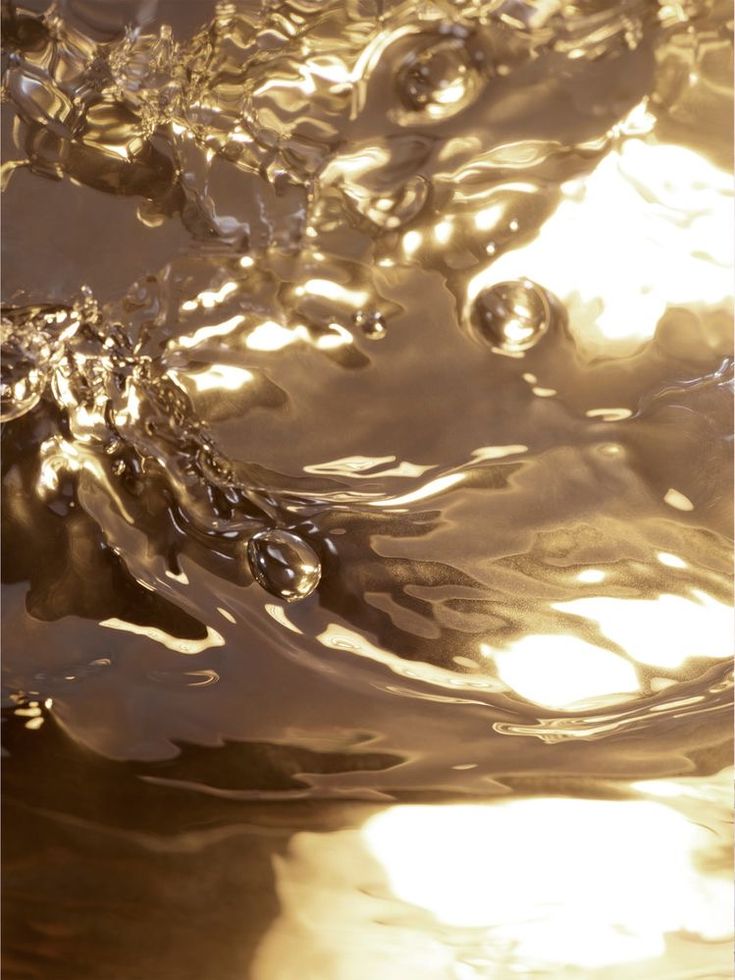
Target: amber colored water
367 490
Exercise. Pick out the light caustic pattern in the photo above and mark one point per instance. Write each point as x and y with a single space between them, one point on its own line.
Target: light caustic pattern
366 368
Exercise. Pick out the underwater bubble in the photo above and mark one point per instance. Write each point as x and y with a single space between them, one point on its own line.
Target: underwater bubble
513 315
284 564
371 323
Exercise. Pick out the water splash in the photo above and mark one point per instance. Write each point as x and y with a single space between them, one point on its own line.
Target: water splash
512 567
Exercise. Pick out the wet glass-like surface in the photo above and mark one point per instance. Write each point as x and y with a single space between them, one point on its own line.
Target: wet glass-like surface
367 489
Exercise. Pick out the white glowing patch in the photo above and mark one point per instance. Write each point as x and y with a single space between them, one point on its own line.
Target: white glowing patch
443 232
356 467
448 95
217 377
270 336
209 298
412 241
32 711
333 291
681 252
677 500
489 218
662 632
330 68
304 86
430 489
543 886
497 452
591 576
175 643
673 561
609 414
338 336
133 403
571 883
562 671
715 789
204 334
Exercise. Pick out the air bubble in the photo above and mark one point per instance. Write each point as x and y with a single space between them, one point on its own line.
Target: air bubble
283 564
438 81
371 323
512 315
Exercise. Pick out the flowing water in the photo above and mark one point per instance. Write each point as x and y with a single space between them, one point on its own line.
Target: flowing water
367 489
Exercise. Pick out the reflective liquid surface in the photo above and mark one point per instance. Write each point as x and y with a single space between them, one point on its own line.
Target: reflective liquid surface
367 489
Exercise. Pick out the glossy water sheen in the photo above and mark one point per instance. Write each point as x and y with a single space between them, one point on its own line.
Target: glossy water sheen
336 659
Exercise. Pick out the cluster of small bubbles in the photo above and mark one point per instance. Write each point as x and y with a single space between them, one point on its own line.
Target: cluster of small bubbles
512 315
371 323
283 564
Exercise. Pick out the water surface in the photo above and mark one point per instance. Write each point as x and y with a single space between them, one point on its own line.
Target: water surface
367 484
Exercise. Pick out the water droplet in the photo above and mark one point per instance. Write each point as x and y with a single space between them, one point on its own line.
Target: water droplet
371 323
513 315
283 564
438 81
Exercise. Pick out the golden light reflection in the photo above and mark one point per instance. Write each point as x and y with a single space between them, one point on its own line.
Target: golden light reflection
497 452
591 576
341 638
357 467
443 232
209 298
203 334
675 498
673 561
562 671
270 336
59 455
587 883
217 377
353 166
279 614
681 207
662 632
514 887
548 886
411 242
430 489
338 336
333 291
176 643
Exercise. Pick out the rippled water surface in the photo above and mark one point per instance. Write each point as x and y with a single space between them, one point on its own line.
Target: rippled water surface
367 489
